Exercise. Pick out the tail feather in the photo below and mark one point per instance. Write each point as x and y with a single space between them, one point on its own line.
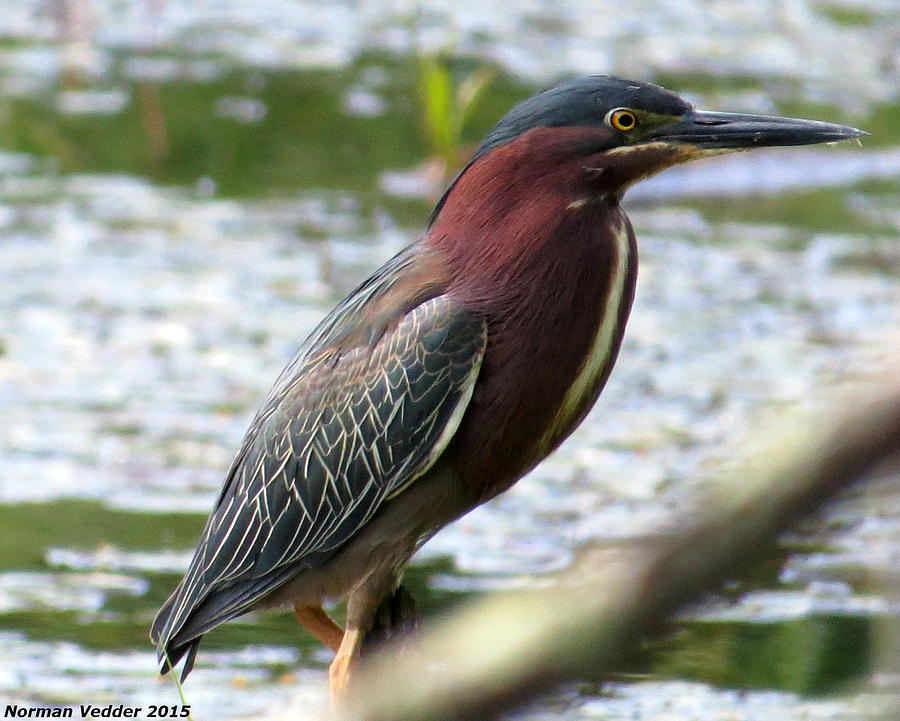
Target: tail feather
162 618
179 625
173 654
167 632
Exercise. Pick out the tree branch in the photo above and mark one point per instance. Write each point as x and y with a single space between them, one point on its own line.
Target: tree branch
500 651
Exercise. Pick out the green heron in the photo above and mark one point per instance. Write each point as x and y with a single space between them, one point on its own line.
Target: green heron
454 369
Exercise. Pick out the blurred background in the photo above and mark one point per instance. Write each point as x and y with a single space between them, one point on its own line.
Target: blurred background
187 186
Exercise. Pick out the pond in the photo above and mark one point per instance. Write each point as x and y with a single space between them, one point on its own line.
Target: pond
187 187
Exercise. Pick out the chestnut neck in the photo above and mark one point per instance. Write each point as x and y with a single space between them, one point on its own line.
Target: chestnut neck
530 241
506 207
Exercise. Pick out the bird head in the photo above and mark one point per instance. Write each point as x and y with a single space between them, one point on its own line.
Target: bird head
618 131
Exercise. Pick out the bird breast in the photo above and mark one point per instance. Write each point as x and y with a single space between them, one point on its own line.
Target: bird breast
555 314
598 362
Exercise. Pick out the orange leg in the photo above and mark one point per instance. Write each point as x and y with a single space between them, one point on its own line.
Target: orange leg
345 646
319 624
394 616
339 672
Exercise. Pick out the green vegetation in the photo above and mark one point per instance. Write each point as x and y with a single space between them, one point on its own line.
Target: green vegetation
855 15
29 529
447 108
807 211
814 655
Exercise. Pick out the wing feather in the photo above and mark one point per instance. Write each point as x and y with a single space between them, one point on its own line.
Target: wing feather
338 436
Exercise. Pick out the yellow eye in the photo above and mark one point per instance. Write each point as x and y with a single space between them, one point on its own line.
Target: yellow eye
622 119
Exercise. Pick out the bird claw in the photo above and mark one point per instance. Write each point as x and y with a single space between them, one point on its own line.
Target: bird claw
339 680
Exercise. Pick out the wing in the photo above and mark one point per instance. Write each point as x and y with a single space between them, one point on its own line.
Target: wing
339 434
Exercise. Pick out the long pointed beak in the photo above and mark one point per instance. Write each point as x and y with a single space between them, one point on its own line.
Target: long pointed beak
705 129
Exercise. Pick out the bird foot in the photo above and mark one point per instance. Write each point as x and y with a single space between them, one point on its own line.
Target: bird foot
396 619
339 678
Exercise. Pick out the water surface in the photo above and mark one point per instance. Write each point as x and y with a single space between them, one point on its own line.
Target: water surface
186 188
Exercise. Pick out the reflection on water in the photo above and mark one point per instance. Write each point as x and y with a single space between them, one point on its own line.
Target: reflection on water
174 220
